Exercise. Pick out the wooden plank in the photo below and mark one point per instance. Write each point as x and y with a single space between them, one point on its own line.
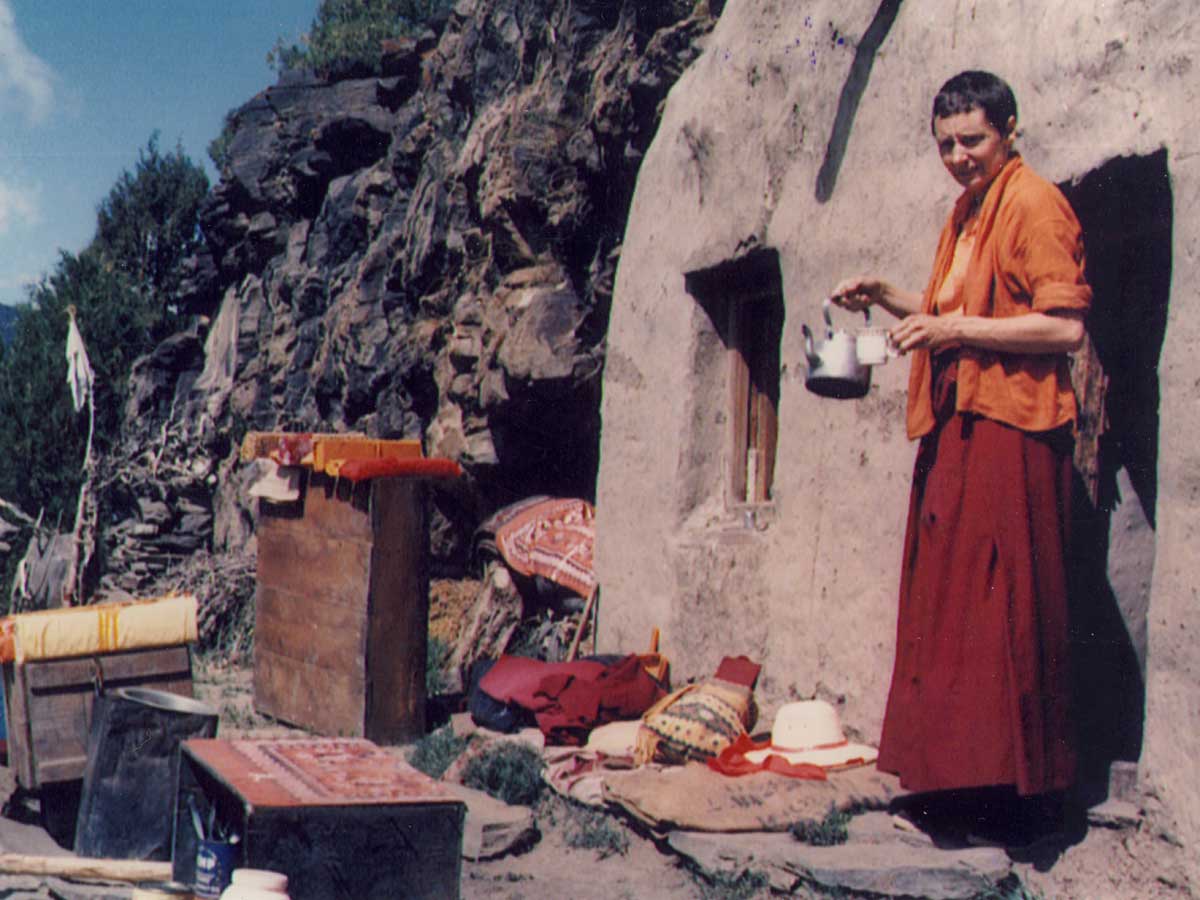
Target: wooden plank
20 755
399 613
338 507
768 429
292 607
66 767
320 634
60 746
81 868
739 402
310 563
129 665
320 699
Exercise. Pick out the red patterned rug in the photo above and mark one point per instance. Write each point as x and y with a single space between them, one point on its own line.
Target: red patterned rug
553 538
317 772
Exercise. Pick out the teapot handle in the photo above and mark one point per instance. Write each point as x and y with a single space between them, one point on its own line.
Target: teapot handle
825 307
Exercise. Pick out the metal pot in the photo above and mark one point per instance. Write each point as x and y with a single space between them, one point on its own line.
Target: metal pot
833 366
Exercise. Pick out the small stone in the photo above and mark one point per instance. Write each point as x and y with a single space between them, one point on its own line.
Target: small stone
462 725
493 827
1115 814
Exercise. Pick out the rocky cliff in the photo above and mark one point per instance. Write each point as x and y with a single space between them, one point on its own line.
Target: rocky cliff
427 254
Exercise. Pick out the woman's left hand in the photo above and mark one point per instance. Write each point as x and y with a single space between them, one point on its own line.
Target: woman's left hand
924 332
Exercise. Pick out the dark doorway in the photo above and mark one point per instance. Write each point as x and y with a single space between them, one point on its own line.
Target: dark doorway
1126 209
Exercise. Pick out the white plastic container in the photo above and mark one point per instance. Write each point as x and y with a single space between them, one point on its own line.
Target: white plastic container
256 884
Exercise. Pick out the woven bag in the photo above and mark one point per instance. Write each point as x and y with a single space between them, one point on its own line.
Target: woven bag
696 722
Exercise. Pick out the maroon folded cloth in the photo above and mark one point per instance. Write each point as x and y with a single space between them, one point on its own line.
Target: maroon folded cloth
517 679
573 706
740 670
568 700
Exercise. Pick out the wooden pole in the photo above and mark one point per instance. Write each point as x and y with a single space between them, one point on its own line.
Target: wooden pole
583 621
131 870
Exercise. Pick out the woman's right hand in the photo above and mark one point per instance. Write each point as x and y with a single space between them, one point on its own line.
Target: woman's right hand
862 291
858 293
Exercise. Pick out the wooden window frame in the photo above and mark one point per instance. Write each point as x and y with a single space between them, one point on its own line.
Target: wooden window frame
754 414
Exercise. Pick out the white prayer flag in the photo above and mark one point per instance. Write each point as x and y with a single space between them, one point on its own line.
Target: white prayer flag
79 370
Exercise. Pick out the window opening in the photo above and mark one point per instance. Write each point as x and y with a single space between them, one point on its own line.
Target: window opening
744 300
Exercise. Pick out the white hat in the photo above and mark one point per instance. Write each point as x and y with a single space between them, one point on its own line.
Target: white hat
809 731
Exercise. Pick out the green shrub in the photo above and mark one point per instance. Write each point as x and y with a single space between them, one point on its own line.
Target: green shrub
434 753
745 885
585 828
437 654
218 147
829 832
508 770
346 34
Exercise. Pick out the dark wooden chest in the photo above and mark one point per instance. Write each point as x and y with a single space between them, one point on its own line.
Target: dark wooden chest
340 818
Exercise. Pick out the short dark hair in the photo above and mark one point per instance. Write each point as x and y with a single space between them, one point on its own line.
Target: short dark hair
976 90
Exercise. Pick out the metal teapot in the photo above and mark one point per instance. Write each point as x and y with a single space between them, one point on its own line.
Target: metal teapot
833 366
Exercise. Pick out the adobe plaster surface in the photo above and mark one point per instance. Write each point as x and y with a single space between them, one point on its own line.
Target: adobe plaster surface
743 159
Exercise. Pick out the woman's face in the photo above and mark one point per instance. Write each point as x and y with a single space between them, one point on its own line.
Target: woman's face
972 150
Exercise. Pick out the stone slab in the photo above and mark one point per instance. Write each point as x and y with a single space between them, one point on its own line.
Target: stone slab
899 867
493 827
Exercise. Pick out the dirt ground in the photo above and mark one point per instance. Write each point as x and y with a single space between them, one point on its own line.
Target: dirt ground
1133 863
1141 863
1130 864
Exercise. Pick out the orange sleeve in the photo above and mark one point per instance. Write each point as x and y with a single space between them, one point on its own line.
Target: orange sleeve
1048 263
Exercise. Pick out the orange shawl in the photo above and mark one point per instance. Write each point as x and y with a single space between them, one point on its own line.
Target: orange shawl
1028 257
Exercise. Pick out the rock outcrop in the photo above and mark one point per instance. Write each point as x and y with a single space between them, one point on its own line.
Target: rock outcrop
429 254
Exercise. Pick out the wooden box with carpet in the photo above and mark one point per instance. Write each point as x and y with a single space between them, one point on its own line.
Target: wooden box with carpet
340 818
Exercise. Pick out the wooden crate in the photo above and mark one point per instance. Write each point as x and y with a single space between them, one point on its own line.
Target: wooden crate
49 705
340 818
342 609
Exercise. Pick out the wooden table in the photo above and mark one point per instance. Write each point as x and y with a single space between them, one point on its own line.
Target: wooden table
341 818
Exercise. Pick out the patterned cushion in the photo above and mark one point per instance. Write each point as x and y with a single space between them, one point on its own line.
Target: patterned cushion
696 722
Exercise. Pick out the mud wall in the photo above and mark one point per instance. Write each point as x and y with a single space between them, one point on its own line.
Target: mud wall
803 129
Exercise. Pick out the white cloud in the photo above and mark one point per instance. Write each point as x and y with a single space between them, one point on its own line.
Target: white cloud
20 205
22 72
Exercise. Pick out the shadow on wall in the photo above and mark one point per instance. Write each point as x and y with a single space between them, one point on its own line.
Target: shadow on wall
1126 210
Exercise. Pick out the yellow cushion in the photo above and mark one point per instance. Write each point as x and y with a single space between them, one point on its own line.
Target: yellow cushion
105 628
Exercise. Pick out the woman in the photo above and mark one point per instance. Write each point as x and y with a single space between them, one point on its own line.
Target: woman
979 695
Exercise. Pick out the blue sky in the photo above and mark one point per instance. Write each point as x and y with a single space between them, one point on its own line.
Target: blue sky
83 85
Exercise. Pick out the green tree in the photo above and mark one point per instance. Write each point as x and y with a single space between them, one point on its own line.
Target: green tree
121 287
41 436
148 223
347 33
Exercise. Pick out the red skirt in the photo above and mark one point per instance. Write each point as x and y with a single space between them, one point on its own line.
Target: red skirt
980 689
